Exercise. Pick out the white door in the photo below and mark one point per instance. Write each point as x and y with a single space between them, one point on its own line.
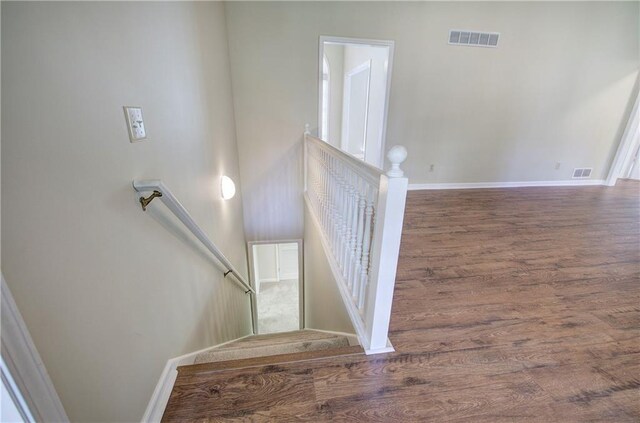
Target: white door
356 109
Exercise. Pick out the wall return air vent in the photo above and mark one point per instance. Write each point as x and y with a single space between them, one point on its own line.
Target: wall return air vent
473 38
582 172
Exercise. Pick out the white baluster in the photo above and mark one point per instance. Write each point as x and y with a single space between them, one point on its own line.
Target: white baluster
354 230
362 207
329 229
349 229
345 219
339 214
322 190
334 194
366 244
344 212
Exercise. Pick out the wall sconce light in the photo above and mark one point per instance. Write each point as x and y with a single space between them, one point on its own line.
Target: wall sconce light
227 187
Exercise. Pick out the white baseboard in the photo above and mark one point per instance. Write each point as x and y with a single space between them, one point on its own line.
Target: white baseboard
160 396
388 349
477 185
267 280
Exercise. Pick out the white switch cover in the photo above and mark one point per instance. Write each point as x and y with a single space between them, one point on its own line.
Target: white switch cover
135 123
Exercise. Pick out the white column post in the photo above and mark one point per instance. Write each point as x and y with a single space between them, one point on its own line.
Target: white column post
385 249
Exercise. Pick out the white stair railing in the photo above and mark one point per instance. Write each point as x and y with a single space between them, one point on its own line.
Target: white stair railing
360 211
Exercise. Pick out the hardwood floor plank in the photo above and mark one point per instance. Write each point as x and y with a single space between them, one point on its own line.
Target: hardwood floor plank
237 396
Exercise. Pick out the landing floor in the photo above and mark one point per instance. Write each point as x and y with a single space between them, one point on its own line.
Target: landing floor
510 305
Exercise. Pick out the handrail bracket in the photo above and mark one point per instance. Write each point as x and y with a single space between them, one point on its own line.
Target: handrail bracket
145 201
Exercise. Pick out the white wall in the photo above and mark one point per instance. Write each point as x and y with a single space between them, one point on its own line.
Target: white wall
288 265
556 90
266 262
275 262
323 306
109 292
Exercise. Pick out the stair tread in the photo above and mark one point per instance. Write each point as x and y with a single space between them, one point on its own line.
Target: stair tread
268 360
278 338
252 350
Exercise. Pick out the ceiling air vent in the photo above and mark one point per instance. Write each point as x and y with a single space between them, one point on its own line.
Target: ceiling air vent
473 38
582 172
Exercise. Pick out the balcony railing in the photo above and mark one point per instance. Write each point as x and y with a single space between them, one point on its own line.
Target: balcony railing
359 210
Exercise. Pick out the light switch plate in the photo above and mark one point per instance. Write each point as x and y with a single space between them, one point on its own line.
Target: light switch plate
135 123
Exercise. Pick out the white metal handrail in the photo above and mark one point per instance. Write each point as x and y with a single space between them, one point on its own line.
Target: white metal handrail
359 210
183 215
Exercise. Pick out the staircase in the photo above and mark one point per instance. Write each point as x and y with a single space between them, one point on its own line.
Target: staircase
244 375
260 350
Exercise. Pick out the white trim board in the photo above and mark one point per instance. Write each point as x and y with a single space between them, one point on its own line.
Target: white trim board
477 185
160 397
627 146
25 365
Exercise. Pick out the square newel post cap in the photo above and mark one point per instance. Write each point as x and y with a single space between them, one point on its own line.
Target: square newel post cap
396 155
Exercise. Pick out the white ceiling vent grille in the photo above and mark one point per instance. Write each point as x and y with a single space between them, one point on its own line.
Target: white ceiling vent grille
582 172
473 38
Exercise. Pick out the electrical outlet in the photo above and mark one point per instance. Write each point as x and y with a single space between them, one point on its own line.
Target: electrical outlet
558 165
432 167
135 123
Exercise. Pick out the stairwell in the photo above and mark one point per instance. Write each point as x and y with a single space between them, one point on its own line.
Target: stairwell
350 252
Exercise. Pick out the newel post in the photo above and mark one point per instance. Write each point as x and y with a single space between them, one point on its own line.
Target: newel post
385 249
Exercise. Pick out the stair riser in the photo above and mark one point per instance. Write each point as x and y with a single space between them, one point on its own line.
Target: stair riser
269 350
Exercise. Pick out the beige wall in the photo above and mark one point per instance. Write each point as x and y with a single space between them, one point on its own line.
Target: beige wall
323 306
109 293
556 90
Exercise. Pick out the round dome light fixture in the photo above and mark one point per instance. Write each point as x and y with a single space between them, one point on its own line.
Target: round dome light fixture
227 187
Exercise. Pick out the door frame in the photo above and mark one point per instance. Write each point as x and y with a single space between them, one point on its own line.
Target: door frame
371 42
252 280
627 147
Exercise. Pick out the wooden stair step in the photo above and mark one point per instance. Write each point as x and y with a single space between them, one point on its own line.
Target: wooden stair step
280 338
267 350
268 360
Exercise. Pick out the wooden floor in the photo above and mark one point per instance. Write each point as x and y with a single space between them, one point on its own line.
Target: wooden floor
510 305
